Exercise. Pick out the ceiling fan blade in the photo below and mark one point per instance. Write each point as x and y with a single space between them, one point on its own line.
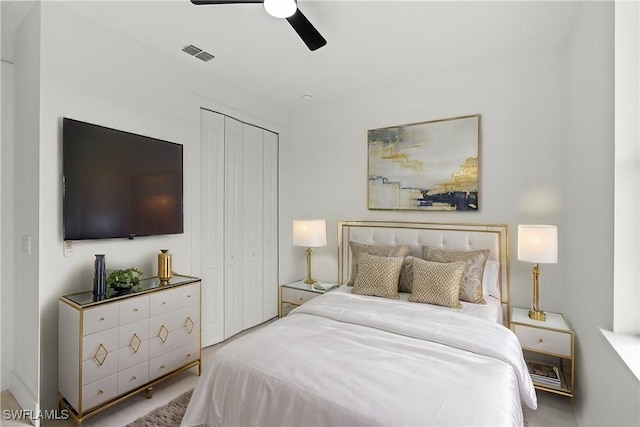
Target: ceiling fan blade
307 32
202 2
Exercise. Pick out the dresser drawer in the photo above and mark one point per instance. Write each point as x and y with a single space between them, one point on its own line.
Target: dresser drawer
162 365
544 340
189 295
99 318
188 354
92 370
128 357
91 343
186 336
134 309
162 341
133 332
99 392
133 377
163 302
187 316
296 296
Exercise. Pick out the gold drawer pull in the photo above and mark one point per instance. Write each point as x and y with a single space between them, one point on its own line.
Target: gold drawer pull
163 303
162 366
189 355
133 378
540 340
188 325
188 296
135 343
163 334
102 318
101 354
100 392
135 309
301 299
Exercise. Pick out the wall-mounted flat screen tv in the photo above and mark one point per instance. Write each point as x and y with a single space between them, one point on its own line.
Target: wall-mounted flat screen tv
119 184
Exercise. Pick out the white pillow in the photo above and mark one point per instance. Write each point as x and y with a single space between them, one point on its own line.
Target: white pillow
490 284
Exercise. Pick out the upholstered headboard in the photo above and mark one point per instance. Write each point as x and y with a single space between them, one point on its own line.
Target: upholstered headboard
416 234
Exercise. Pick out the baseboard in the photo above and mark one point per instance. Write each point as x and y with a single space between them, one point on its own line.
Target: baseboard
24 396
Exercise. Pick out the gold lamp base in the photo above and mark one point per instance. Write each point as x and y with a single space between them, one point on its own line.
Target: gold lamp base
537 315
309 280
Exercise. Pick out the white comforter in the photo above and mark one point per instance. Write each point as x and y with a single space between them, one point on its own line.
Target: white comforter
345 360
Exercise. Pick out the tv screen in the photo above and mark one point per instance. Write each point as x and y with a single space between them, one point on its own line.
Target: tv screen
119 184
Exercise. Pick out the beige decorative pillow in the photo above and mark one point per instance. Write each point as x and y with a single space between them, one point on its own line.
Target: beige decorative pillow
437 282
471 288
405 283
359 248
378 276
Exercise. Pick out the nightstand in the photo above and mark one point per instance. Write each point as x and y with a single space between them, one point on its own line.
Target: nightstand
297 293
547 342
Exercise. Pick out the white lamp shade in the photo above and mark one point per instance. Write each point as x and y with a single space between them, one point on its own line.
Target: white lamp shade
280 8
538 243
310 233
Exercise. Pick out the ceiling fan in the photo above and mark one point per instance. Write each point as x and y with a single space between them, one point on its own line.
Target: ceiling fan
283 9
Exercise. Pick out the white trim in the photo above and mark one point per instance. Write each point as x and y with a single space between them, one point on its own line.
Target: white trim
627 347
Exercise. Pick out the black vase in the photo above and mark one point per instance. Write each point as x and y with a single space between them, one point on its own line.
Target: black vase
99 278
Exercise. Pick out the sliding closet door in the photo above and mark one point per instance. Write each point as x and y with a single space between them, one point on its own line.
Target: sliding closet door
212 225
270 221
252 217
233 224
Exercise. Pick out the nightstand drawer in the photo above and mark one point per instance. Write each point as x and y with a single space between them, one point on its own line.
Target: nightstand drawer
544 340
296 296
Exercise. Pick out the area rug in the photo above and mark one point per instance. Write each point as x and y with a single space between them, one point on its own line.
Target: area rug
169 415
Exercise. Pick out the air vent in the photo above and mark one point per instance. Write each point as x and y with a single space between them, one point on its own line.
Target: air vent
191 50
198 53
205 56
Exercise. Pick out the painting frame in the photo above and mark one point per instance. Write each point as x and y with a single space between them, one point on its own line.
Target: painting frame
425 166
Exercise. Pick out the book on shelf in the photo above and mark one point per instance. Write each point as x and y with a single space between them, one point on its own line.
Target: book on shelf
545 374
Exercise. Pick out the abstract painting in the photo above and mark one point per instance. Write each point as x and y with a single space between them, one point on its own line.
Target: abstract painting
425 166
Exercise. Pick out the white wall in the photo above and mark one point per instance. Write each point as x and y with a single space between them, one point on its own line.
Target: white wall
25 370
626 316
607 393
324 167
6 225
90 73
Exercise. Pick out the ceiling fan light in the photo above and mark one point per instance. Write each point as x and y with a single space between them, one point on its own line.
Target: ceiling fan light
280 8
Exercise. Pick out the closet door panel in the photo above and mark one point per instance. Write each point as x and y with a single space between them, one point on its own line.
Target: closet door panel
233 220
270 227
252 217
239 226
212 169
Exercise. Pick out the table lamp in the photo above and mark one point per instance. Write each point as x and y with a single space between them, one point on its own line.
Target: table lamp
310 233
537 244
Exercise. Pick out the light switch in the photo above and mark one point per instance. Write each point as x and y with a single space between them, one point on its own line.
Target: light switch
26 244
68 248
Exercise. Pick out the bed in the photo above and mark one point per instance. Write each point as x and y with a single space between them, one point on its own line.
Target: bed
351 359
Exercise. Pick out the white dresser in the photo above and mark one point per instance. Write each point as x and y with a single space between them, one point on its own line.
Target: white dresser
112 349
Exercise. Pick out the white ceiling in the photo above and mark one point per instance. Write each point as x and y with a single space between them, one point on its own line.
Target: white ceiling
370 44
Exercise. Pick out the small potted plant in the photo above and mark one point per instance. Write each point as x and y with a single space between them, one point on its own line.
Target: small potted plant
123 281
